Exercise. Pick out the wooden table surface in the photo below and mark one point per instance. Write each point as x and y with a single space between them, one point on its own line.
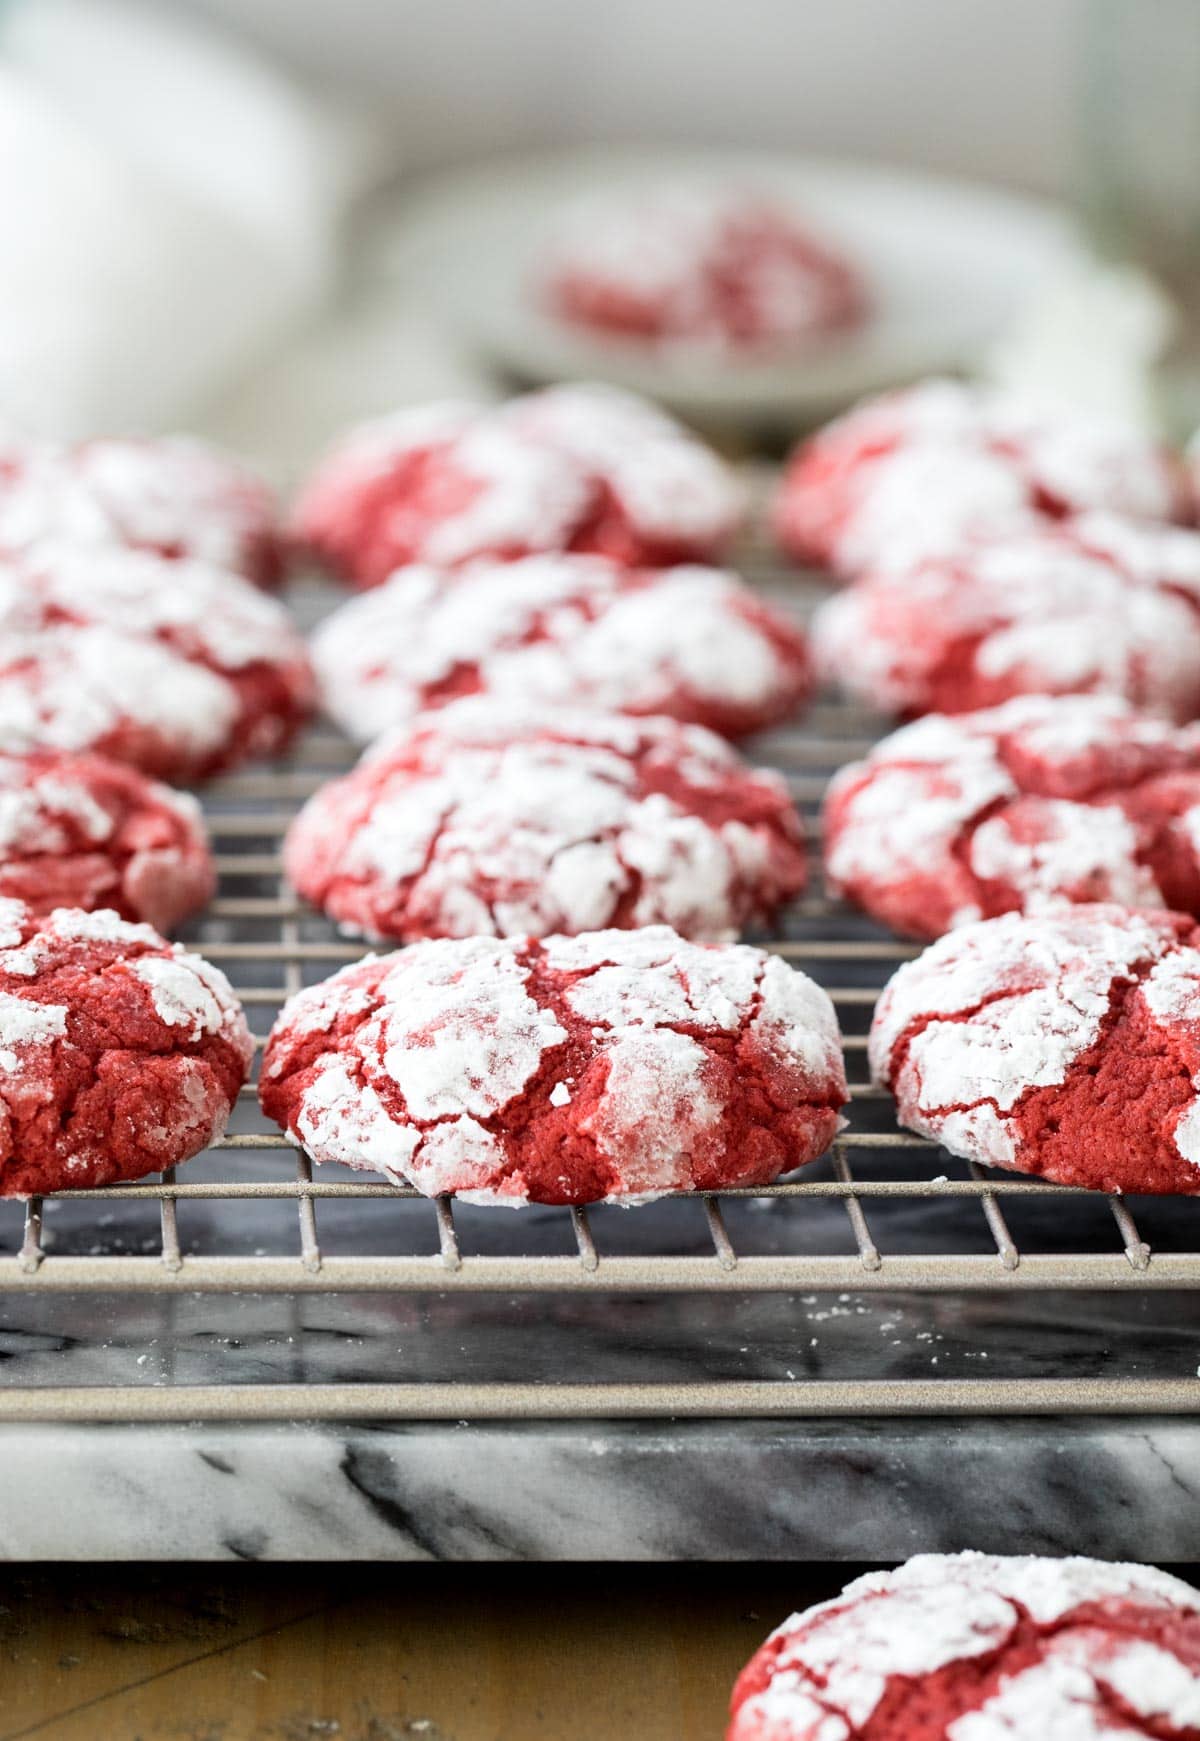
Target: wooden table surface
442 1653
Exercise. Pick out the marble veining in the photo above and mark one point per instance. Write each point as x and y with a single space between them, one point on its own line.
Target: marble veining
647 1491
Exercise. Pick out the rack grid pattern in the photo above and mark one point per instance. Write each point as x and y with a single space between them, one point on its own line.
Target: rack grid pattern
271 945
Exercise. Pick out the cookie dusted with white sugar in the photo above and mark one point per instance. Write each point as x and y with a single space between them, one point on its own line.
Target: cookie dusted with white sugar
691 643
1063 1044
659 495
497 818
707 270
582 468
614 1066
1102 606
976 1647
120 1054
171 495
83 831
1043 800
918 472
172 666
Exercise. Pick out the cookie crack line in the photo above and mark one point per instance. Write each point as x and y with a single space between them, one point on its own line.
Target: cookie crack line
964 840
1120 990
897 1058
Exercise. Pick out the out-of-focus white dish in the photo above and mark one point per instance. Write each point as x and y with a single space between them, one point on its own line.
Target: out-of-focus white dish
948 264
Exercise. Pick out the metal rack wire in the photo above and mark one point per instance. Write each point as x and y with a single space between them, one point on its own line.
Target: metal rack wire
270 945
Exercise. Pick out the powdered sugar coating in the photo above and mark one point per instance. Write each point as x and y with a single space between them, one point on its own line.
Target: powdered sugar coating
120 1054
921 471
976 1647
1101 606
718 268
175 667
617 1065
83 831
691 643
668 498
174 496
583 468
1041 800
182 994
1065 1044
504 819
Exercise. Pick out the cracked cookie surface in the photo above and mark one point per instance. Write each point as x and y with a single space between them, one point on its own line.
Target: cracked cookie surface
616 1065
691 643
977 1647
500 819
175 667
120 1054
172 495
84 831
917 472
1064 1044
581 468
710 270
1042 800
1099 606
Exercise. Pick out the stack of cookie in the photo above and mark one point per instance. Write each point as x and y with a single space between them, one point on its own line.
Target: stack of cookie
547 670
137 646
1024 585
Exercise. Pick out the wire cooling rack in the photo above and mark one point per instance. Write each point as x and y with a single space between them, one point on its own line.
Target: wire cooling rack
886 1213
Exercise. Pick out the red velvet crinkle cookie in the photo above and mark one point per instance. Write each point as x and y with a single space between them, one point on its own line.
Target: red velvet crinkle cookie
711 269
497 818
119 1054
174 496
83 831
1064 1044
618 1065
172 666
584 468
916 472
1102 606
975 1647
1045 799
692 643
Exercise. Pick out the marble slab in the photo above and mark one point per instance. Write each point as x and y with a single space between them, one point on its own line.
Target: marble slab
874 1490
